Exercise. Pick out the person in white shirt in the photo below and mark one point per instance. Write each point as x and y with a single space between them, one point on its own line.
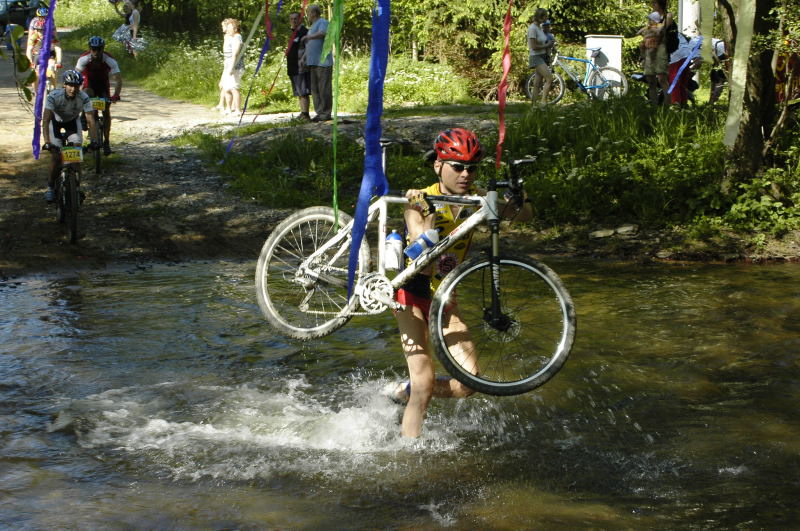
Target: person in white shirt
537 56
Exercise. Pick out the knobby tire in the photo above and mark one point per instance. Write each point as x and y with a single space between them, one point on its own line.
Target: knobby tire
72 203
617 80
537 333
315 304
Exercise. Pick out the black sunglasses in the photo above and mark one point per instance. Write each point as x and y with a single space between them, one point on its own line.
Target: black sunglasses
459 167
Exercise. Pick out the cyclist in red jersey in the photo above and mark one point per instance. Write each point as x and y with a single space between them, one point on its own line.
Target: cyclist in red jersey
98 69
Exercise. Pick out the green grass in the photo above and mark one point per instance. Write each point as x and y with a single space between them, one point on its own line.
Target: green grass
597 162
188 68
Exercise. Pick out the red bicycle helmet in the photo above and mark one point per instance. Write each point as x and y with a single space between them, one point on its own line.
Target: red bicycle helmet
458 144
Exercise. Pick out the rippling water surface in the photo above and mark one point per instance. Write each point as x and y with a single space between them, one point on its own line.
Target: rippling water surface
157 397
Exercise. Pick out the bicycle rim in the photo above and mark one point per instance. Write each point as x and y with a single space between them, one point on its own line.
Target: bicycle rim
72 203
610 82
310 303
555 93
522 350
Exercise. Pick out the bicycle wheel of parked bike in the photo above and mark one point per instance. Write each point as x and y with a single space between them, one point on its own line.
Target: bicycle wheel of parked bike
71 204
614 83
307 302
519 350
555 93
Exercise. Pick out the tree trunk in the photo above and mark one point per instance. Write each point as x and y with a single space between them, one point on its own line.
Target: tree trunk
758 111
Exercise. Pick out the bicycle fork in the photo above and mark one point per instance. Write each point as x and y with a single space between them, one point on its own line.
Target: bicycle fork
493 315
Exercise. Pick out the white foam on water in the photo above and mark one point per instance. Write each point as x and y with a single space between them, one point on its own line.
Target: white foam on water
348 431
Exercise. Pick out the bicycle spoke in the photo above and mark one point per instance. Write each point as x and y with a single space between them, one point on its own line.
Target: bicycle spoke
517 348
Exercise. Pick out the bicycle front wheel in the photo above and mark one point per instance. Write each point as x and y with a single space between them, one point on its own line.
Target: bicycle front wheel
608 82
555 93
308 302
515 351
72 202
99 141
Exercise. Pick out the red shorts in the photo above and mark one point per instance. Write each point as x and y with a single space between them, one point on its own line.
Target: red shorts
409 299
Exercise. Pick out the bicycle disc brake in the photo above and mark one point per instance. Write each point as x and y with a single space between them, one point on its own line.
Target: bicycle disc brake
375 293
504 329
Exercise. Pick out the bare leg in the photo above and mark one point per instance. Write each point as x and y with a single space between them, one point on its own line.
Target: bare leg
663 81
235 101
424 384
547 78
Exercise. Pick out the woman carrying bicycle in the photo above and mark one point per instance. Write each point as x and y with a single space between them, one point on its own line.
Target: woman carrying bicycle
456 155
538 47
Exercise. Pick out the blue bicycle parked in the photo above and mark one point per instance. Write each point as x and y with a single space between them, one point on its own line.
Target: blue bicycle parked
597 82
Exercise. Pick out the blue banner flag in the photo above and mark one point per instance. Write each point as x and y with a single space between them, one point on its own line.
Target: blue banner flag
44 56
373 182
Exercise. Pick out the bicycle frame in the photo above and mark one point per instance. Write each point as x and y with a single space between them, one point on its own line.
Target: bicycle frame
590 67
487 212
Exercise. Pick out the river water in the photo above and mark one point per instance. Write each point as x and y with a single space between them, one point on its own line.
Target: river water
157 397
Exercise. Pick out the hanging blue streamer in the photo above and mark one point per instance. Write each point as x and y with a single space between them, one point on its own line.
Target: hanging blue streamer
44 57
686 62
373 182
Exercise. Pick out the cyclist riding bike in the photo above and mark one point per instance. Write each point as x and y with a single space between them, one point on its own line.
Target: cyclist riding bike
456 155
99 68
61 123
34 46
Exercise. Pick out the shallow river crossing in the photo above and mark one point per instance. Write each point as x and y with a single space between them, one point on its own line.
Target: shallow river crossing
157 397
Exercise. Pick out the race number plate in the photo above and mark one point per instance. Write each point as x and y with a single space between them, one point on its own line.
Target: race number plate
98 104
71 154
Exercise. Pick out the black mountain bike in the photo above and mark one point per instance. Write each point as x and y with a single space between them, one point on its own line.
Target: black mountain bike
98 104
67 186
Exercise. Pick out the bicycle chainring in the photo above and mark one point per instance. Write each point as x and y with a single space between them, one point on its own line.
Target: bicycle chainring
373 289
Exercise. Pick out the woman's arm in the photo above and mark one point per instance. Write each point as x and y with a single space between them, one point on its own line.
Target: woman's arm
235 48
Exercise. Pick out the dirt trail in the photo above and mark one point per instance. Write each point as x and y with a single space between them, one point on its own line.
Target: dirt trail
153 200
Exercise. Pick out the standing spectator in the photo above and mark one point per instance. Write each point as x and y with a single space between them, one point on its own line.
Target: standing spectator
319 70
133 18
719 71
34 47
680 92
655 67
232 66
298 73
537 56
651 36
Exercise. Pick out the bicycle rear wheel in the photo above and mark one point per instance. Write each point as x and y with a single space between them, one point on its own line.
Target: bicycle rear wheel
72 202
555 93
522 349
609 82
312 302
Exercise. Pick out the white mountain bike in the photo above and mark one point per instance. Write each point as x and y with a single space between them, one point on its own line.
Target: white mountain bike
520 316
